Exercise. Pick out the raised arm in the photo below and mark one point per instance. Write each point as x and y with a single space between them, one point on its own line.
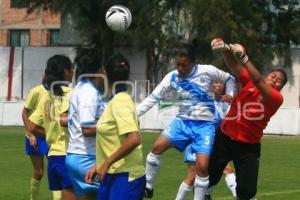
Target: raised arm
218 45
157 94
259 81
236 59
232 63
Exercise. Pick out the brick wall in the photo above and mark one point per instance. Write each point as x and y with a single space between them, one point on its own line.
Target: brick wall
3 37
38 23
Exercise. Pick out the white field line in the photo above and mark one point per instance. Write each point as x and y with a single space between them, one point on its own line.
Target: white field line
266 194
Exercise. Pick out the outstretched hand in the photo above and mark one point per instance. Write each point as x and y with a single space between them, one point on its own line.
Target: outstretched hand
218 45
239 51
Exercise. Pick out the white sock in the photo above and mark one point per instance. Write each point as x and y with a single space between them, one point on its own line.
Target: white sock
210 190
152 166
231 183
183 190
200 186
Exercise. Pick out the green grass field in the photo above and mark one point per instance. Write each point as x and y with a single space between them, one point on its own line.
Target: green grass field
278 178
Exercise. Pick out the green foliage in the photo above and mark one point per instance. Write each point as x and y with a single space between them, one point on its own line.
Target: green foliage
265 27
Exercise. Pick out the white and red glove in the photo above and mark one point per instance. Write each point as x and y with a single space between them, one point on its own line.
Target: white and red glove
240 52
218 45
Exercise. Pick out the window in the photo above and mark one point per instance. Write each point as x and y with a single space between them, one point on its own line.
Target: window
19 38
19 3
53 37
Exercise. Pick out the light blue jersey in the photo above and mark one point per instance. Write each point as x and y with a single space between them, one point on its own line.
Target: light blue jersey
85 108
195 121
194 95
221 110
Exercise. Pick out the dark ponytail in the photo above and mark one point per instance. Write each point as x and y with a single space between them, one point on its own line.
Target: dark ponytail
55 72
117 69
87 60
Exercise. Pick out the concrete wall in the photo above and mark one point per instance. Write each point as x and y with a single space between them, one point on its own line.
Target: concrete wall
35 63
11 113
291 91
29 65
285 122
28 68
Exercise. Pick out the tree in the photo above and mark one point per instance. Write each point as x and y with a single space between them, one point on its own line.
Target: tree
149 19
266 27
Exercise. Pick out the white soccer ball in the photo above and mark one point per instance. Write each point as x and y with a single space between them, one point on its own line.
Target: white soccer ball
118 18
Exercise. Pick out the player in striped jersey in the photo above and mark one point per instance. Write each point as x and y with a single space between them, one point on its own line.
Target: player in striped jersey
86 106
195 122
222 106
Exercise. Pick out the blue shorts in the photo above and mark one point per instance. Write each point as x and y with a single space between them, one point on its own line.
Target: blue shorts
58 177
189 156
78 166
198 134
117 186
40 150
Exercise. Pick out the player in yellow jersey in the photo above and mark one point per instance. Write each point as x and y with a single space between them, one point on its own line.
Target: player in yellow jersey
36 146
119 158
47 120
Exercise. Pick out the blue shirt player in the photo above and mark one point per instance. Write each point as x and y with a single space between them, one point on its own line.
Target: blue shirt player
187 185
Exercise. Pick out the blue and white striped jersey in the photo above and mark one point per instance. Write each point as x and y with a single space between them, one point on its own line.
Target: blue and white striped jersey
85 108
194 95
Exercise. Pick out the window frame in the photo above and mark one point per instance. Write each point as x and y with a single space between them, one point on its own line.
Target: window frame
19 3
51 42
19 31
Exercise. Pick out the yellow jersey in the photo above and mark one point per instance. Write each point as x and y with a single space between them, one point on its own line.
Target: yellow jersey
33 98
47 115
119 118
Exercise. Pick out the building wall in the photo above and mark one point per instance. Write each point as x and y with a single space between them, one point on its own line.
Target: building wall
28 65
38 23
291 90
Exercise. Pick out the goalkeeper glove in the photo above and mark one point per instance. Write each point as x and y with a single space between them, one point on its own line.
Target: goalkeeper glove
240 52
218 45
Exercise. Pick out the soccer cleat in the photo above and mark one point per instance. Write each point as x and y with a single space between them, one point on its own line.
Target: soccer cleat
148 193
207 197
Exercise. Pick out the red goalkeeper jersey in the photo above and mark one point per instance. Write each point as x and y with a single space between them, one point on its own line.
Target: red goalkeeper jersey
249 114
